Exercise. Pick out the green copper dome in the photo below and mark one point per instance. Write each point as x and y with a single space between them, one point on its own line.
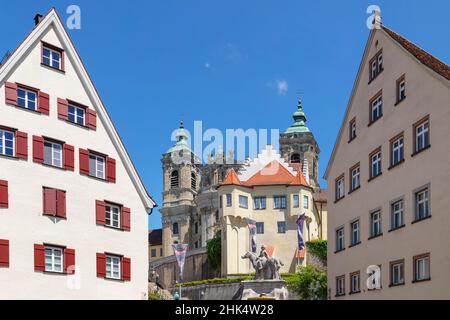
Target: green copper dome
300 119
182 140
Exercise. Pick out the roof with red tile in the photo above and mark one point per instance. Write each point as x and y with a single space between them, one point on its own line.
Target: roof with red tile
424 57
273 173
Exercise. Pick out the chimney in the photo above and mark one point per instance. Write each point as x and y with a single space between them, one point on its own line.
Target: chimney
38 19
306 170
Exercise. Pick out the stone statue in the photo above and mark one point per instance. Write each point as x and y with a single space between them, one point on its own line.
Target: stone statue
266 268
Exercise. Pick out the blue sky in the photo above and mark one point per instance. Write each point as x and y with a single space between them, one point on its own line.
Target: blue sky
231 64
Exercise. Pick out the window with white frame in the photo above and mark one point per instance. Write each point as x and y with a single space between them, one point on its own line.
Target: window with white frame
305 202
340 243
376 110
340 188
279 202
397 215
352 130
355 279
355 237
422 204
422 136
243 202
51 58
27 99
422 268
397 273
281 227
376 65
375 224
260 203
401 89
53 153
340 286
54 259
7 143
76 114
97 166
296 201
113 267
397 150
375 167
112 218
355 178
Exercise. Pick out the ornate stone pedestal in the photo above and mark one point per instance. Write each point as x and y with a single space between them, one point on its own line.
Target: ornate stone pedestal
262 289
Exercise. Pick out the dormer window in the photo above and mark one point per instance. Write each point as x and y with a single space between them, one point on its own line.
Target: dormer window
376 66
52 57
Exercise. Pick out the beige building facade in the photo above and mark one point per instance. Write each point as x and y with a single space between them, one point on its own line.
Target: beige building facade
388 177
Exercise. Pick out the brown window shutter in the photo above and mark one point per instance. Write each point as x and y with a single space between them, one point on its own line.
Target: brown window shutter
111 169
21 145
126 269
63 109
100 212
39 257
44 103
50 201
4 253
126 219
11 93
69 261
4 203
38 149
101 265
91 121
84 162
69 157
60 204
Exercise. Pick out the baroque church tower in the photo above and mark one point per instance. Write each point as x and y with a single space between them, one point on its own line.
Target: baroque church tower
299 147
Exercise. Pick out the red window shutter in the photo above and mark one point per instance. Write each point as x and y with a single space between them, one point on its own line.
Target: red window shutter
44 103
4 253
63 109
91 121
69 157
111 169
21 145
11 93
100 213
101 265
49 201
69 261
39 257
126 219
4 194
126 269
38 149
84 161
60 204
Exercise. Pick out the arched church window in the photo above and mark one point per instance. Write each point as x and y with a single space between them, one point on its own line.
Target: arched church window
175 179
193 181
175 229
295 158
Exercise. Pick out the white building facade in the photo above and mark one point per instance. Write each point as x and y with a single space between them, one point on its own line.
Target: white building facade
73 210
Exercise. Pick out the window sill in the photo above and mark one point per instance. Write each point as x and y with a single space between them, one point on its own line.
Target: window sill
399 101
54 216
53 68
421 150
37 112
338 251
355 292
54 273
354 190
420 220
354 245
373 178
113 228
374 78
95 178
53 167
114 280
374 237
397 228
75 124
374 121
9 157
423 280
397 164
339 295
351 139
337 200
396 285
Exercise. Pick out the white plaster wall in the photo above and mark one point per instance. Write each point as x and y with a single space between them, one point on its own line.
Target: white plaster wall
23 223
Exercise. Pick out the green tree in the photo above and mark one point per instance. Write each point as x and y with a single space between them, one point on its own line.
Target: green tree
309 284
214 249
